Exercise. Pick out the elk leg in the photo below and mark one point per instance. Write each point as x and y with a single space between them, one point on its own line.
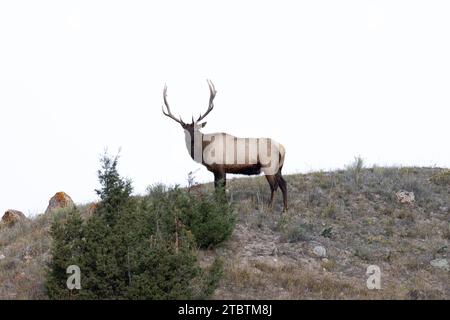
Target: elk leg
283 186
219 180
273 187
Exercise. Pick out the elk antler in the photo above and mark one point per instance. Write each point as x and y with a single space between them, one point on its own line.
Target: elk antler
213 92
169 113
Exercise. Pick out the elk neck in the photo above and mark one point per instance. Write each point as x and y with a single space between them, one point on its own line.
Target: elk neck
190 137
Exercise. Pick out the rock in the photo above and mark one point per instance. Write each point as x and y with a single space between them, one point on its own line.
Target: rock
440 263
320 251
58 201
405 197
2 257
12 216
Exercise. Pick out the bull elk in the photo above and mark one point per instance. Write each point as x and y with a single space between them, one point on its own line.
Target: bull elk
222 153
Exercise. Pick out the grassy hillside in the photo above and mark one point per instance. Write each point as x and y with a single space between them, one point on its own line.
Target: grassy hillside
354 214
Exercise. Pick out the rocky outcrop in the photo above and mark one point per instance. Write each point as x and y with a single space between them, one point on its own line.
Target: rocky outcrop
12 216
58 201
405 197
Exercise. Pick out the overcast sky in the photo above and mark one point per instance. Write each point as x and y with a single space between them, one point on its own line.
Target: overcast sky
328 79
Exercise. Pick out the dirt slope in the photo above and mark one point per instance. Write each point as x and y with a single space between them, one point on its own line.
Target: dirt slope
353 214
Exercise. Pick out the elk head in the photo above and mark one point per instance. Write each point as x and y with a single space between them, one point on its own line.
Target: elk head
195 125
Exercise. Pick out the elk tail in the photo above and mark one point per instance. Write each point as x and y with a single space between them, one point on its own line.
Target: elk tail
281 159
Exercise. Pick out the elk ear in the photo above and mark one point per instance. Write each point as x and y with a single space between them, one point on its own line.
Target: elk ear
202 125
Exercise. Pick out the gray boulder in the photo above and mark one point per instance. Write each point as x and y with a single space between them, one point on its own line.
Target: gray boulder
320 251
441 264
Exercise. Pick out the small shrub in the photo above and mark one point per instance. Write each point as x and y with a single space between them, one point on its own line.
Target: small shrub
329 264
389 231
327 232
363 253
210 218
329 211
322 180
355 170
405 214
211 221
442 178
295 232
446 232
282 223
315 197
421 190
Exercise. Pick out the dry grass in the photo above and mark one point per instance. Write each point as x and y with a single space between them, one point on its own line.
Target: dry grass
353 213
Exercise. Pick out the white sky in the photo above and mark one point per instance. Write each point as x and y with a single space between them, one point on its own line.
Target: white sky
328 79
